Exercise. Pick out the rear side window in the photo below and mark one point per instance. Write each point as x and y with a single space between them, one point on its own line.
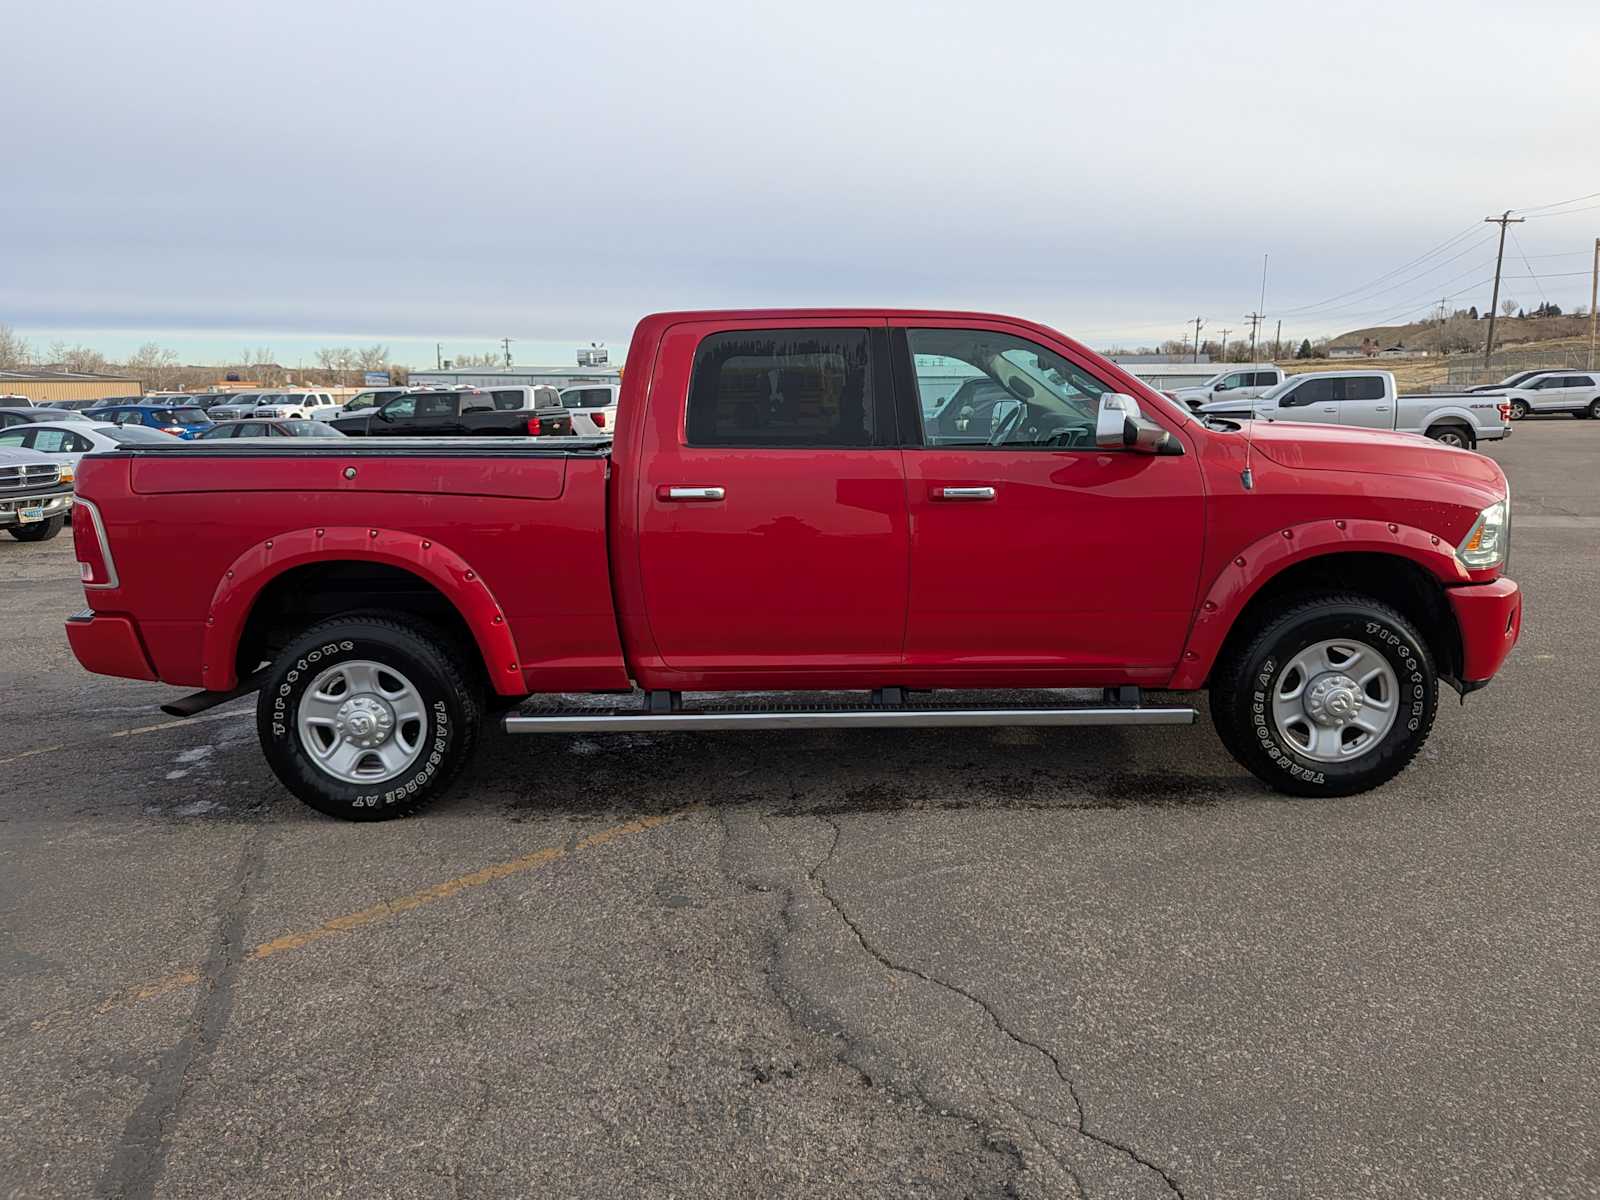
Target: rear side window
507 399
1264 379
436 406
1364 387
782 388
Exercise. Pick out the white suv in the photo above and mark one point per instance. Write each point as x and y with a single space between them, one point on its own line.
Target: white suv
1576 392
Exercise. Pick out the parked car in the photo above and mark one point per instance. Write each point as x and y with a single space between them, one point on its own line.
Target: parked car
254 428
1575 392
1510 381
185 423
593 408
296 406
35 494
771 517
25 416
87 405
236 407
69 441
1235 382
13 401
1368 400
363 402
456 414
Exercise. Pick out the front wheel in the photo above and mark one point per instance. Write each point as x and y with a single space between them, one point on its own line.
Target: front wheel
39 531
1519 409
1333 696
1594 409
367 717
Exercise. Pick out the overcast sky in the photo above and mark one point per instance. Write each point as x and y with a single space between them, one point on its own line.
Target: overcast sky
313 171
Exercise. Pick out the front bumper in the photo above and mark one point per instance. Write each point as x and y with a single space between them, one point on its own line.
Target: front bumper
53 504
1489 616
109 645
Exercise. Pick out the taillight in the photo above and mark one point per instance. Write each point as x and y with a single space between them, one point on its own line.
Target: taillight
175 430
533 427
1505 412
89 546
599 420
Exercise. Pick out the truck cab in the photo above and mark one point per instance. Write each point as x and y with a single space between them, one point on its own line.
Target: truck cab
1240 382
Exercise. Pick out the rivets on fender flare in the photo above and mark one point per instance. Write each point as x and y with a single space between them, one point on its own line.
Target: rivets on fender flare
513 666
372 533
1238 562
320 532
499 620
1339 525
269 543
1288 533
1210 606
230 574
349 472
1190 654
470 575
1394 529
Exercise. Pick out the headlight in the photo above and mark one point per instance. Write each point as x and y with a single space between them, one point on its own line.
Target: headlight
68 472
1489 538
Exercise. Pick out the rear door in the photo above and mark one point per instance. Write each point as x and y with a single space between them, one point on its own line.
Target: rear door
771 506
1364 401
1032 549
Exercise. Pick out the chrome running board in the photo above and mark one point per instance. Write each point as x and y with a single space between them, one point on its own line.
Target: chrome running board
754 714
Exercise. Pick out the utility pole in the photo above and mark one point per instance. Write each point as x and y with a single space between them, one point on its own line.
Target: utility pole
1594 297
1255 320
1502 220
1197 323
438 355
1276 339
505 344
1222 355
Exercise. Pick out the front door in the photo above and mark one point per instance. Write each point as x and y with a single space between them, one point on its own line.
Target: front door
1312 400
771 507
1031 547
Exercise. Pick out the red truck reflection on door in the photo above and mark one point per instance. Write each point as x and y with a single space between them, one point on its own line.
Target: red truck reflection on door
873 504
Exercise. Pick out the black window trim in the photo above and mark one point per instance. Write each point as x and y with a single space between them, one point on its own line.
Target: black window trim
886 428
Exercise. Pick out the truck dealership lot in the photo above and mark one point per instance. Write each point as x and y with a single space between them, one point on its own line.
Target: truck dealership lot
975 962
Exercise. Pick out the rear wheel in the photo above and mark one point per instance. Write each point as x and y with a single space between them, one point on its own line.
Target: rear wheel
1452 435
1333 696
367 717
1519 409
1594 409
39 531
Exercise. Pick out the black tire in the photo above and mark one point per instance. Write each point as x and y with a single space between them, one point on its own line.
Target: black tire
1594 409
1519 409
1454 435
1243 682
421 657
39 531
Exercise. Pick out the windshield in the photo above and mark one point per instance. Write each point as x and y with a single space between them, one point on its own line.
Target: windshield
1273 393
311 429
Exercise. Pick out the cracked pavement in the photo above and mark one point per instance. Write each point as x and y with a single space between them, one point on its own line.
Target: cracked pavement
979 963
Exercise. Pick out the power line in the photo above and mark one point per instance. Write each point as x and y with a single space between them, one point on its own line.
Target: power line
1444 245
1344 311
1325 309
1537 282
1536 207
1564 212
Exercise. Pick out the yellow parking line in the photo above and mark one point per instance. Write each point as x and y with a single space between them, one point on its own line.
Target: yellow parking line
349 922
122 733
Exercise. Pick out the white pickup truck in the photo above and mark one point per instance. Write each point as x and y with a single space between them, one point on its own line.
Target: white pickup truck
593 407
1240 381
1369 399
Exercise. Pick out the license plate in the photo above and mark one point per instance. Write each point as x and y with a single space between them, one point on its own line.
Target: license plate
29 515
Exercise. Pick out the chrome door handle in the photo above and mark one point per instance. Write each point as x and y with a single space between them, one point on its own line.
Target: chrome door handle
1332 410
692 493
966 493
1381 408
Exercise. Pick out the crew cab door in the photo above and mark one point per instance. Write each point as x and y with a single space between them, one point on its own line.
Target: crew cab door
1365 401
1032 550
771 507
1312 400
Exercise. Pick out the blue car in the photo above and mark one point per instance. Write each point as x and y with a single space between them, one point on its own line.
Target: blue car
187 423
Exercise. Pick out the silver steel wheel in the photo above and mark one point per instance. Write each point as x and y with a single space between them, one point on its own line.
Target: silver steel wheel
1451 437
362 722
1334 701
1519 409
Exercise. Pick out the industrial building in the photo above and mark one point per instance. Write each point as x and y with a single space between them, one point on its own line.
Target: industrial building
48 387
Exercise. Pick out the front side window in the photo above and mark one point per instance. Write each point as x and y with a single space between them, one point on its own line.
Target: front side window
1238 379
782 388
403 408
1312 391
976 387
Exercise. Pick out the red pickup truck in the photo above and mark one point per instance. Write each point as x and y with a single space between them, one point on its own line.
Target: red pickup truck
894 514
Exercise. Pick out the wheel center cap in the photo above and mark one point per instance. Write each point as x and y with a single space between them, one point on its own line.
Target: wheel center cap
364 721
1333 700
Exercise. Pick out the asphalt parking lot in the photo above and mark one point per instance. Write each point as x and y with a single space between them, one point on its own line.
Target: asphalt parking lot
826 964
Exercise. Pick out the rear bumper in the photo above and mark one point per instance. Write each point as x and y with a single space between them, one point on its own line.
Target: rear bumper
1489 616
109 645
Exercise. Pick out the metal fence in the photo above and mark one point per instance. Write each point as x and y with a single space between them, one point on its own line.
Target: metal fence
1467 372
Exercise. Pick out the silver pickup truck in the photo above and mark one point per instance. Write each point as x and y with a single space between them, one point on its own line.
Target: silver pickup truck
1369 399
35 494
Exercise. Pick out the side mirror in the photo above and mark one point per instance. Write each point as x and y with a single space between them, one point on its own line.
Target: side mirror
1222 387
1119 425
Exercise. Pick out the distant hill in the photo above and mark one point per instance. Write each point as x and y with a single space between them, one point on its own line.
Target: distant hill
1508 331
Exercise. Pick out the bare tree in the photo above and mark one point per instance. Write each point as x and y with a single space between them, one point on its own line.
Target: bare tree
76 358
477 360
373 358
342 360
14 350
153 365
1507 307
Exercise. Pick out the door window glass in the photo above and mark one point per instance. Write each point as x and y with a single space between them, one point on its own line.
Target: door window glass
507 399
1238 379
402 408
251 429
976 387
51 441
1364 387
1312 391
436 406
782 388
